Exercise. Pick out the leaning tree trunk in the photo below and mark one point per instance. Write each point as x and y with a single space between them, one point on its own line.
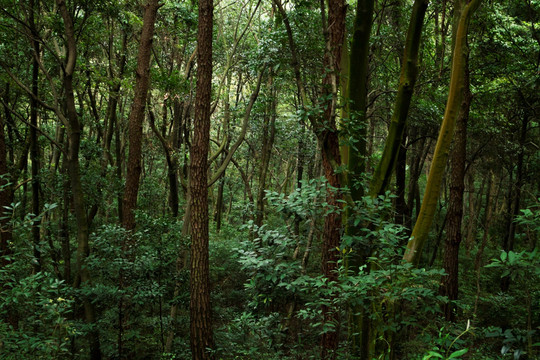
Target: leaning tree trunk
409 73
431 195
201 339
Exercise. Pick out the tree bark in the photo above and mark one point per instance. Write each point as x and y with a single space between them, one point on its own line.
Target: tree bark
450 282
355 127
269 131
73 168
513 210
6 198
200 311
453 105
409 73
328 139
34 146
136 116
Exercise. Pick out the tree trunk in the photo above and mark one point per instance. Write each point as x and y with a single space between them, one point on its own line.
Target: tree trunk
6 198
329 143
450 283
200 311
514 209
73 167
269 131
136 116
355 127
402 209
409 72
34 146
453 105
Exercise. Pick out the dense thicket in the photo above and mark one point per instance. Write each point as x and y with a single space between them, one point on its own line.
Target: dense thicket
265 179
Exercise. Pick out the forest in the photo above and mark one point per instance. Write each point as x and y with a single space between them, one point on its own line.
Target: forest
269 179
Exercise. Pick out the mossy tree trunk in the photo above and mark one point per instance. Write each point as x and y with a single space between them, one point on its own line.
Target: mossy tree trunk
431 195
407 80
354 134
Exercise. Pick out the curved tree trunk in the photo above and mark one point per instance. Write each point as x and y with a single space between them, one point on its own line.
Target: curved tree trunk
431 195
73 168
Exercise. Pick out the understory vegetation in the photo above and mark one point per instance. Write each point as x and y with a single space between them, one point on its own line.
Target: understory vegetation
269 179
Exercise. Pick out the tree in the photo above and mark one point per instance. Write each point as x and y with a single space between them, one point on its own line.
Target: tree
137 113
201 332
453 105
407 80
327 135
74 130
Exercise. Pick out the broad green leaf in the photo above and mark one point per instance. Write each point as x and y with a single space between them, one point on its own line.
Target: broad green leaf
458 353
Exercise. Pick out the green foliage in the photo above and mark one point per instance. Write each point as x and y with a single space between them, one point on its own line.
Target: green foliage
277 279
35 313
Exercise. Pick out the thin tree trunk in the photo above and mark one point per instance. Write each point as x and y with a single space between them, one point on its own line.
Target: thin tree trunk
6 198
471 222
514 209
490 205
73 167
134 163
136 116
402 210
409 72
269 131
34 146
450 282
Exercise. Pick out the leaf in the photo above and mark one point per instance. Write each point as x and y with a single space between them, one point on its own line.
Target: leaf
458 353
511 257
433 354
